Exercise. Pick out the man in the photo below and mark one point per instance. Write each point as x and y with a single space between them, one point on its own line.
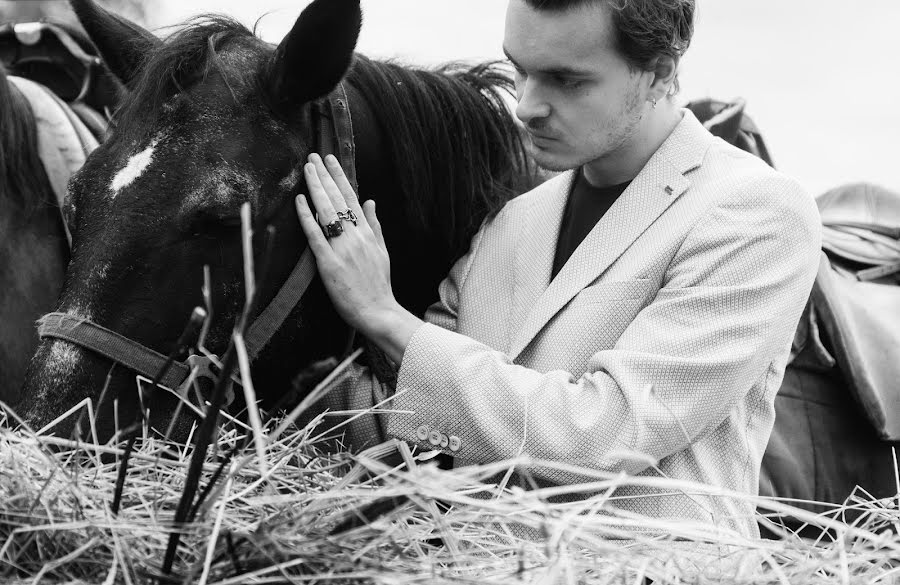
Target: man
633 314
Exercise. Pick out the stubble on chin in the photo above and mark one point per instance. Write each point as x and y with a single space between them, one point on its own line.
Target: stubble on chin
547 162
554 167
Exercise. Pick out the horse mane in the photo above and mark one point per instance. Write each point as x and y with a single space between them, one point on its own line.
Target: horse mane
185 57
452 125
23 180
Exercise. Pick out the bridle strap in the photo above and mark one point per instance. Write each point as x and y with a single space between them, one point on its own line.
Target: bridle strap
273 316
341 128
335 136
112 345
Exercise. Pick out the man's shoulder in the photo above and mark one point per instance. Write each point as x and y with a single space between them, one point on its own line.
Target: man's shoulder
732 183
730 173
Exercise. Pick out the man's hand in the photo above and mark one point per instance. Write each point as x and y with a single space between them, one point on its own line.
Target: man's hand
353 264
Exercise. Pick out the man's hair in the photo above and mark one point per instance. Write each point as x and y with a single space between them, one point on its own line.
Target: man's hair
645 29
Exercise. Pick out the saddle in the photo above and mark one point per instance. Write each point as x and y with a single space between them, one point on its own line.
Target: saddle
728 121
855 301
57 70
62 59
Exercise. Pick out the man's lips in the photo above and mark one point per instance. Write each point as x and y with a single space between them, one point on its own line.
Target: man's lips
539 136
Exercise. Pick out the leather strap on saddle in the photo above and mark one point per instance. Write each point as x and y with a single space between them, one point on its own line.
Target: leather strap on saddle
861 225
335 136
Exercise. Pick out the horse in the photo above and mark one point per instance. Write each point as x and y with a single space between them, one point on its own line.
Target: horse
216 118
51 88
33 247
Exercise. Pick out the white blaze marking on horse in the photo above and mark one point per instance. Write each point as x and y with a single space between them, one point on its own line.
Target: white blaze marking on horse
133 169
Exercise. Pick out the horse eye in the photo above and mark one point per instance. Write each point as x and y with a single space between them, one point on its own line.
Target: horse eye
229 221
211 224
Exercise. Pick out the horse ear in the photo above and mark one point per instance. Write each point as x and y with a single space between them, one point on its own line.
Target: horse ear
122 43
313 58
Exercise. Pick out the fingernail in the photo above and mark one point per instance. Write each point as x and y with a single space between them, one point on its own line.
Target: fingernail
309 167
331 159
314 157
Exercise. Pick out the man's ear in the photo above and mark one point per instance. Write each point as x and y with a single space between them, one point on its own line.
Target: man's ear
313 58
664 73
122 43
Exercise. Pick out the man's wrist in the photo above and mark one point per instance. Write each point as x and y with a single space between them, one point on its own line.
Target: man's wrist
391 330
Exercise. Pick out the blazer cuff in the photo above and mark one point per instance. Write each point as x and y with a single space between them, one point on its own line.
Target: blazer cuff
426 387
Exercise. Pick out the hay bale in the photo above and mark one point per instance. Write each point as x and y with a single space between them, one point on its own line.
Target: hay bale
275 520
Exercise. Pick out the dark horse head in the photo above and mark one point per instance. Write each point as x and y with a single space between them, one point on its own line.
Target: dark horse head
216 118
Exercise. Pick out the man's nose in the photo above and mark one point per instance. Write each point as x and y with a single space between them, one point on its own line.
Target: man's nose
532 106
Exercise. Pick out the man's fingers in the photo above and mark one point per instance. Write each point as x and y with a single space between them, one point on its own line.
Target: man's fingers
314 236
372 219
343 183
320 198
335 195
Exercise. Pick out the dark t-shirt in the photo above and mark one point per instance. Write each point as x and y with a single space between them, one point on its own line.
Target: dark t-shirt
586 205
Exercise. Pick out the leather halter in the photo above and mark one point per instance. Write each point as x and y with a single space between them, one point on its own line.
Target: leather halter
334 134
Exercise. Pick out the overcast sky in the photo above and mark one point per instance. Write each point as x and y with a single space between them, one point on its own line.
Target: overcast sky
819 76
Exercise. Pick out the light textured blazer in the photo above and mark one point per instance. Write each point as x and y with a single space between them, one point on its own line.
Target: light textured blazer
666 333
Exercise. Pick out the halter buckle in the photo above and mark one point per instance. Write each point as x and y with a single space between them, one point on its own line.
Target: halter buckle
204 367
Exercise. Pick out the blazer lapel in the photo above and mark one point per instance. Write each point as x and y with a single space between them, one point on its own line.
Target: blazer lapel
657 186
536 246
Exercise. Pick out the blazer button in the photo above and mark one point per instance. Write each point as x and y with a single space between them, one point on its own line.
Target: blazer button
445 440
422 432
455 443
434 437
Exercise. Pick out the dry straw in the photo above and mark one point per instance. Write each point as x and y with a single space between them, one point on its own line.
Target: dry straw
399 519
289 508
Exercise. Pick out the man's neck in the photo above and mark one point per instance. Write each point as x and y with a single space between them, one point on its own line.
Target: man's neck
624 164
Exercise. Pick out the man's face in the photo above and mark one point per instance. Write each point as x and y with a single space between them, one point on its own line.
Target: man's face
578 98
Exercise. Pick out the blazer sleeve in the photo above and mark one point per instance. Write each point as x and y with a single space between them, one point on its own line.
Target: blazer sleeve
360 389
728 307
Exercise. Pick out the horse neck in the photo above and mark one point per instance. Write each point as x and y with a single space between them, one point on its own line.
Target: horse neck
418 262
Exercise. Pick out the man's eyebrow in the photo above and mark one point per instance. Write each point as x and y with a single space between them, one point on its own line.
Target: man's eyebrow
559 71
